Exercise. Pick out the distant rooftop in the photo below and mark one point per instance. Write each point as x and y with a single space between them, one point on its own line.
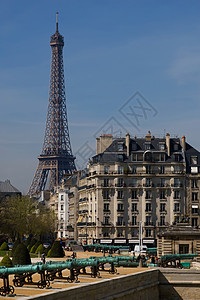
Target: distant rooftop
7 187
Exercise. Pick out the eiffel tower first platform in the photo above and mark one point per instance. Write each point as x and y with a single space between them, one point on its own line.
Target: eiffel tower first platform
56 158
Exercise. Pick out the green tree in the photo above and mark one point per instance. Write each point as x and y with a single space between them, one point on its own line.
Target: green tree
21 215
40 249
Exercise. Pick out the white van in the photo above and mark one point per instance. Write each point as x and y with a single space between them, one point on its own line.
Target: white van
137 250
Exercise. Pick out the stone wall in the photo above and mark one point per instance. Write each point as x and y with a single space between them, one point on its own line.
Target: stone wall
143 285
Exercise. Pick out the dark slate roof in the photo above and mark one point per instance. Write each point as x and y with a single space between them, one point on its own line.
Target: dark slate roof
7 187
111 154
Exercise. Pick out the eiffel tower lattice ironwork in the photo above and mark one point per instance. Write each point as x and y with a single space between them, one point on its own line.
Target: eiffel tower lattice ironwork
56 158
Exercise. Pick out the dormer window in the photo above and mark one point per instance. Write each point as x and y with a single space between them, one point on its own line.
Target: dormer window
148 146
176 146
162 146
193 160
134 146
120 147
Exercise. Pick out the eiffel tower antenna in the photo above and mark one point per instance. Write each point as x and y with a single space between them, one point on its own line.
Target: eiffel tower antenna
56 158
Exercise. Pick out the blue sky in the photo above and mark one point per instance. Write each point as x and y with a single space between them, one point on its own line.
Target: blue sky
113 49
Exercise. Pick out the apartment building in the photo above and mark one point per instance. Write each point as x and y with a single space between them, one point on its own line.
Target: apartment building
131 180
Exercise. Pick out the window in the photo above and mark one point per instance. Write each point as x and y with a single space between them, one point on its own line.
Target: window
134 194
105 194
148 195
106 220
62 207
120 157
176 182
134 170
120 182
148 207
162 220
139 157
195 209
176 194
148 182
162 207
106 182
162 195
176 157
120 194
61 234
148 170
162 169
106 207
134 207
148 146
156 156
194 170
106 169
162 157
134 220
61 216
176 207
194 183
62 197
148 232
184 249
119 233
194 222
120 170
106 234
120 221
120 146
162 146
148 220
162 182
193 160
194 196
120 207
134 182
177 169
61 226
134 232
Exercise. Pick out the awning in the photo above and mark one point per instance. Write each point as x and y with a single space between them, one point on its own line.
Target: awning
105 241
148 241
133 241
120 241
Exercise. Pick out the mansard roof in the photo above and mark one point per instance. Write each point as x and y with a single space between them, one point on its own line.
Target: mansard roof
138 146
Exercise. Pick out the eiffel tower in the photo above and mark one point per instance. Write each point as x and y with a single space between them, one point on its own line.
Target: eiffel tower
56 158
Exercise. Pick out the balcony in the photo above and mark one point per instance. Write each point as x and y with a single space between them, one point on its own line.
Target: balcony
120 210
136 211
163 224
146 185
106 210
120 185
148 224
106 224
134 224
177 185
120 224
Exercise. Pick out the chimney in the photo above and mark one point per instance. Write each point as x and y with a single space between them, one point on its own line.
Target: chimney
183 143
103 142
168 143
148 136
128 144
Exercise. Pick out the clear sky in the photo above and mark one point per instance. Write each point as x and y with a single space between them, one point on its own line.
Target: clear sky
118 55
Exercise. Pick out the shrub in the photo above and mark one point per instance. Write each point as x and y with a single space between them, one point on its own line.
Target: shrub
16 243
4 246
56 250
6 261
40 249
32 243
21 256
34 248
